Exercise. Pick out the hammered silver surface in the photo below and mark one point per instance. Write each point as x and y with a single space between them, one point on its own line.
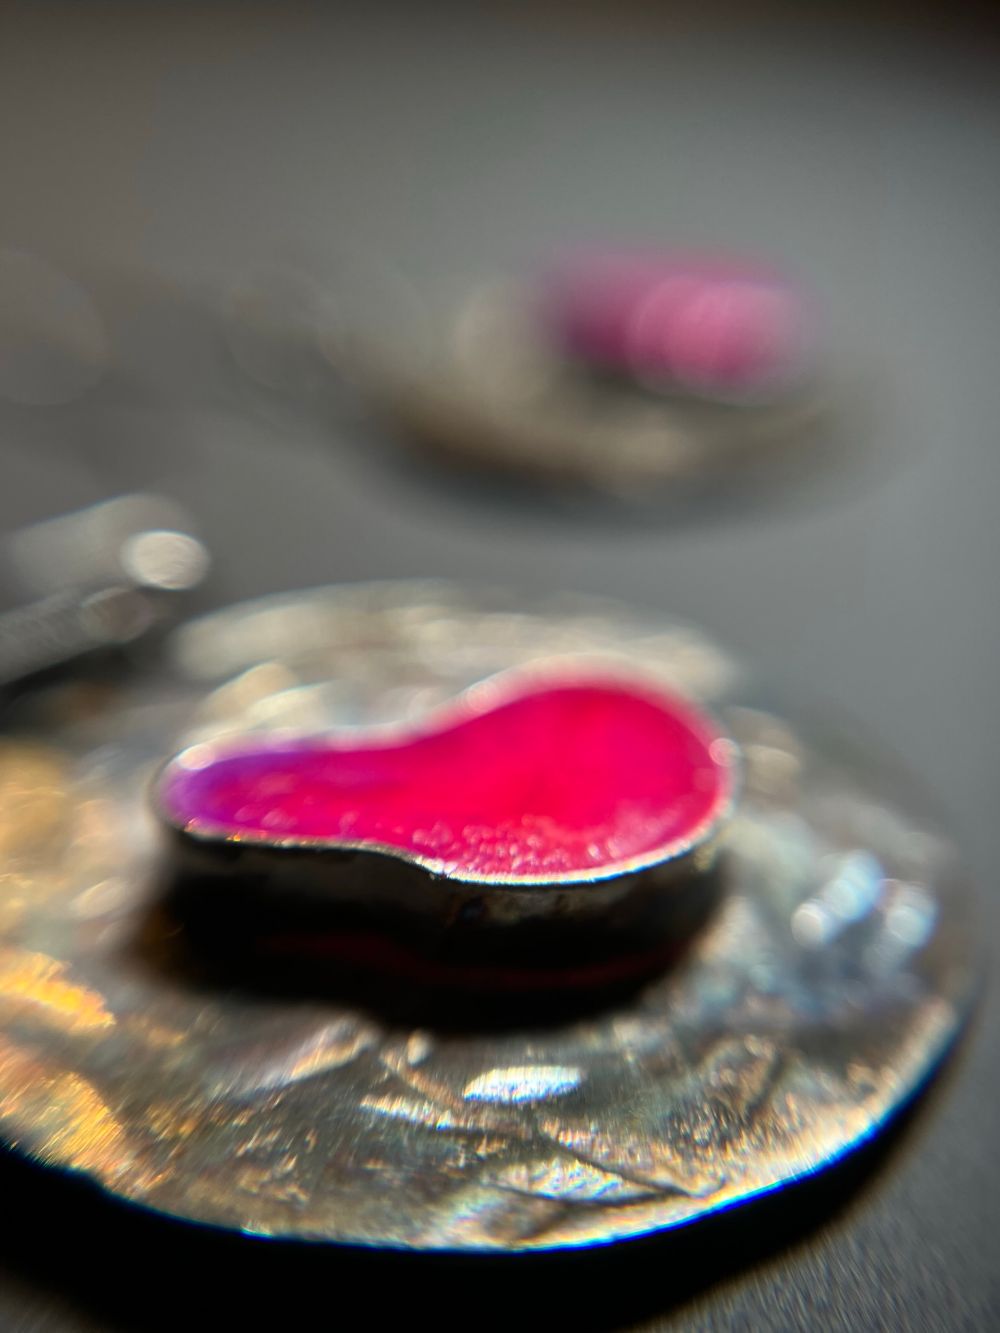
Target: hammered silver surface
819 997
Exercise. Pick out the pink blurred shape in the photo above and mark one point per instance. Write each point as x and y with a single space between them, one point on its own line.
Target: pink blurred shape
717 326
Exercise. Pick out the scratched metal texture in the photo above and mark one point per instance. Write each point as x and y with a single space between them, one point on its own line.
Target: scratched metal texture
822 991
858 146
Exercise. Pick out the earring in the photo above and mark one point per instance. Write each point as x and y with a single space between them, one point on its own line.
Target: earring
457 921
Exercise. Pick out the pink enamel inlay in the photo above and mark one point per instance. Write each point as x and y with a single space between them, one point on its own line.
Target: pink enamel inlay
709 325
520 781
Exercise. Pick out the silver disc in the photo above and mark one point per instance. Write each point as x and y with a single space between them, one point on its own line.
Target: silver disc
823 990
483 389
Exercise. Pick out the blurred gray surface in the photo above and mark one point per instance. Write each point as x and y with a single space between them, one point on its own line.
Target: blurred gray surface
159 155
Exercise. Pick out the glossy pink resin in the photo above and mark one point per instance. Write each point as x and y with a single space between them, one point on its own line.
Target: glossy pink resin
521 783
709 325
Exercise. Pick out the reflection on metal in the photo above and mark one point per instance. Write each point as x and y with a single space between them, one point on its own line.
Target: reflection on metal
129 539
818 997
160 558
35 983
490 391
93 580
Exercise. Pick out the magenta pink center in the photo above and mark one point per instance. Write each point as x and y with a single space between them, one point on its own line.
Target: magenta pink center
714 325
556 779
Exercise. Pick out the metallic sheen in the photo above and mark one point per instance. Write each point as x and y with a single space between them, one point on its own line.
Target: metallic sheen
829 981
490 391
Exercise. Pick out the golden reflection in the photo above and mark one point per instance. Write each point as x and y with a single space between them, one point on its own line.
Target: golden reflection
34 800
171 1122
70 1124
35 983
523 1083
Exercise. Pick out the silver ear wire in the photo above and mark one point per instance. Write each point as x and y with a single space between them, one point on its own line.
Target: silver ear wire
94 580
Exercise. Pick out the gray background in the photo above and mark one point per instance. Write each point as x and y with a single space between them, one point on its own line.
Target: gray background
161 154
